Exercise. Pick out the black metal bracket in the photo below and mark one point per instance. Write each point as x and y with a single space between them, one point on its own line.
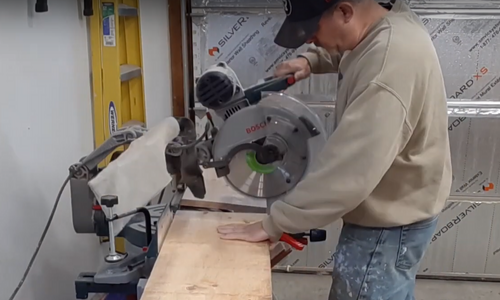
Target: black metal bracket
41 6
88 9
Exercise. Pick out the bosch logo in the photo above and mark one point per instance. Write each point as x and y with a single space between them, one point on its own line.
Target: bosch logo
256 127
287 5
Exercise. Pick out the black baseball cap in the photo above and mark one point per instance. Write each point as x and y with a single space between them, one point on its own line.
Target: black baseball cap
302 20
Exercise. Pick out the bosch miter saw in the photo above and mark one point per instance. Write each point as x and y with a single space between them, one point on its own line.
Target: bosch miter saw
260 140
263 145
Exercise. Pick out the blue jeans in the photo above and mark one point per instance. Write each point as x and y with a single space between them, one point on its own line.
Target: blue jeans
379 263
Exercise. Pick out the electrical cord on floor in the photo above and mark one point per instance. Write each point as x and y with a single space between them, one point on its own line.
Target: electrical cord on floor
42 238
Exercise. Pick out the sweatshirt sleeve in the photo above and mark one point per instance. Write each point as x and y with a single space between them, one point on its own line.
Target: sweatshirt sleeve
321 61
370 135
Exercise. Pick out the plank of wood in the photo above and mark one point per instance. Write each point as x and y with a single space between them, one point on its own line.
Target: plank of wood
195 264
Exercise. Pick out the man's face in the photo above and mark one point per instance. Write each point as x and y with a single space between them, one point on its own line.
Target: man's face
337 30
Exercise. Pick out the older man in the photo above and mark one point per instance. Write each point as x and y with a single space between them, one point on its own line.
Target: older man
386 170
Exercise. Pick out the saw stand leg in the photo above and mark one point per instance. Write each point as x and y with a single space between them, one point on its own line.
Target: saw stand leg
113 256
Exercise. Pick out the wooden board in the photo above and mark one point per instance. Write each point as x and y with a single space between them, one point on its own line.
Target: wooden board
195 264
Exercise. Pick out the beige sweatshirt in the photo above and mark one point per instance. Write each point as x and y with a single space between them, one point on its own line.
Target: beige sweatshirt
388 161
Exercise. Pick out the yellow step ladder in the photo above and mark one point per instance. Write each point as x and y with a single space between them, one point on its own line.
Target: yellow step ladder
117 83
118 87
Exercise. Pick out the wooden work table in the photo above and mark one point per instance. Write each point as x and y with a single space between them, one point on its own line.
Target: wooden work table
195 264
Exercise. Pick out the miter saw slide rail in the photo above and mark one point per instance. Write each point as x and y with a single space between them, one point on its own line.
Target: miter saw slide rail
119 138
82 198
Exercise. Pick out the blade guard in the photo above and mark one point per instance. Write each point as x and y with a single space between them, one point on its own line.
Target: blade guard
244 128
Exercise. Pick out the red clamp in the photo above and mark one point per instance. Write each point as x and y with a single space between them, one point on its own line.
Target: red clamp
292 242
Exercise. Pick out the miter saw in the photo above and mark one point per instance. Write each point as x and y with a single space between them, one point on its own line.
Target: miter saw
264 142
260 140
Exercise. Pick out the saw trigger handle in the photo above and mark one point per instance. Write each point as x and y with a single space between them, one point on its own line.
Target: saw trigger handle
292 242
314 235
276 84
270 84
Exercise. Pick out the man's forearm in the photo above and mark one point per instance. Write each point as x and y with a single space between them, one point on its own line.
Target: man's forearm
321 61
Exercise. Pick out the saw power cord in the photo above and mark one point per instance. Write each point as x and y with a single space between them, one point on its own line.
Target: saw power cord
42 238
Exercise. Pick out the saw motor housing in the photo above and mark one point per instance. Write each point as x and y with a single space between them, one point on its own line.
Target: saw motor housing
262 146
220 90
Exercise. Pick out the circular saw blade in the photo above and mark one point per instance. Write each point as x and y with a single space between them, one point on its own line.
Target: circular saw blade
276 179
264 181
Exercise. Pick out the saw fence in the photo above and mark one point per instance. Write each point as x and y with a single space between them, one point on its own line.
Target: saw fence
466 34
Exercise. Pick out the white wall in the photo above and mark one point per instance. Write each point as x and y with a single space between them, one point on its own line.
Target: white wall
45 126
156 60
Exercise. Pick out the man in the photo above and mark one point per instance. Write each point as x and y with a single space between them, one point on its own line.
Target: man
386 169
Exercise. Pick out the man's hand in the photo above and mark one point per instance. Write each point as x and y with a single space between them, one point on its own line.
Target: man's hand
245 232
298 66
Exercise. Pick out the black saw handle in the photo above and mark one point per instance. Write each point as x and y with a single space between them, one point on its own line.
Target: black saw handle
271 84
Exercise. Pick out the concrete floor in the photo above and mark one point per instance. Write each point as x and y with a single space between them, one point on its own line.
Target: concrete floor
312 287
